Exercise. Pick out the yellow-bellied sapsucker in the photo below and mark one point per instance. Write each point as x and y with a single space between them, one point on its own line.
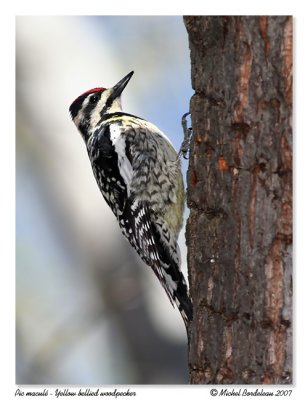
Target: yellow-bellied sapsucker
139 174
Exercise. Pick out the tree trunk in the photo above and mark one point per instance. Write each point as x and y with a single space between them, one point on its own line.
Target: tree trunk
239 232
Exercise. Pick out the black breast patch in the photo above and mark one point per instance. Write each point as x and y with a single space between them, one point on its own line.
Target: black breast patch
104 159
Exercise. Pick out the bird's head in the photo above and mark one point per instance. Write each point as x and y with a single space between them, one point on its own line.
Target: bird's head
89 108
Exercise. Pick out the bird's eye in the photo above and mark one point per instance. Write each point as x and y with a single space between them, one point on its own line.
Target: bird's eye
94 99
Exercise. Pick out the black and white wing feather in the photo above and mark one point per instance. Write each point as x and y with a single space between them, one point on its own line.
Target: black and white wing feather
145 236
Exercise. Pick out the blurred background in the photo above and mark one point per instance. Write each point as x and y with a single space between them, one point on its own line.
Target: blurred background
88 311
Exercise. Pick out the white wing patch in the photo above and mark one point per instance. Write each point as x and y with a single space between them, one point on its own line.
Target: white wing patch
124 164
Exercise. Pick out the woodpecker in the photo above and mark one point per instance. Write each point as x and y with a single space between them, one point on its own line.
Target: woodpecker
139 174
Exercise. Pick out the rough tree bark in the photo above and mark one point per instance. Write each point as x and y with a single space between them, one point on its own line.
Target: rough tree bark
239 233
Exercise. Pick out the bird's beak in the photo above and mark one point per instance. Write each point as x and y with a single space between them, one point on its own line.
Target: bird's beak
120 86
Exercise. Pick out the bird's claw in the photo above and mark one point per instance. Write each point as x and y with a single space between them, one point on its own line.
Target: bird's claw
184 149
